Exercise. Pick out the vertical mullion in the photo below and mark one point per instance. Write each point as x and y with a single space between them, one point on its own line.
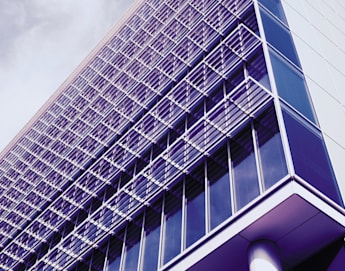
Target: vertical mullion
162 237
123 259
231 179
142 243
207 199
184 216
257 159
106 261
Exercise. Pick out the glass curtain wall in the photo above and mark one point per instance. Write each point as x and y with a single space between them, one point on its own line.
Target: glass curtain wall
241 168
198 149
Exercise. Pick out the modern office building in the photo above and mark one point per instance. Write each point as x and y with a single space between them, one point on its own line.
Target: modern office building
198 135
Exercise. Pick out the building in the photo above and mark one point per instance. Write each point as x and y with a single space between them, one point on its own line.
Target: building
197 136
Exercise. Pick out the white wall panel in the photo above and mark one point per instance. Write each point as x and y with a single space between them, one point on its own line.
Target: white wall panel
318 29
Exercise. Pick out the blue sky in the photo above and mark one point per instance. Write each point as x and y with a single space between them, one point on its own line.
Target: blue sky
42 42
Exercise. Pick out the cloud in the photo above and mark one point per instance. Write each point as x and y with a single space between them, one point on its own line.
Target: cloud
41 44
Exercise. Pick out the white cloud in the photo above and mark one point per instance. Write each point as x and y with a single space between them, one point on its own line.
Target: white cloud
41 43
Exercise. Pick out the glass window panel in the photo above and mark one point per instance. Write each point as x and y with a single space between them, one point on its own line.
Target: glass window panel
173 224
279 37
244 168
234 79
218 175
132 246
195 220
256 67
132 254
114 265
98 259
273 163
310 157
150 261
79 266
152 234
291 86
114 254
275 7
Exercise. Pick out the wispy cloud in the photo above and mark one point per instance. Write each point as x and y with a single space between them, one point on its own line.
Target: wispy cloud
41 43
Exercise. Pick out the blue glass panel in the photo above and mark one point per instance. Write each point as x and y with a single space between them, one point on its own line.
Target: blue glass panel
173 225
275 7
150 261
256 67
152 236
244 168
114 265
131 262
291 86
234 79
132 245
114 254
220 200
310 157
195 220
273 163
172 235
218 174
279 37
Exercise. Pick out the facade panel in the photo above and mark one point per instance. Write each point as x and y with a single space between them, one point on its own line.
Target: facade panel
188 134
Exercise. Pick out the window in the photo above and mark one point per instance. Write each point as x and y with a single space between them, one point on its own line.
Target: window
256 67
291 86
273 164
195 208
132 246
173 223
275 7
279 37
246 183
219 185
310 157
114 254
152 234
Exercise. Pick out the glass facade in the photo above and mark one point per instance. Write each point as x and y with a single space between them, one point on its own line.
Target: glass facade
167 133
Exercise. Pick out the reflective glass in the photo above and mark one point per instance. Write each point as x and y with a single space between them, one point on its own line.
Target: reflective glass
98 258
279 37
151 241
310 157
141 94
273 163
256 67
291 86
195 220
173 224
114 254
150 261
132 246
275 7
244 168
132 254
234 79
114 265
218 175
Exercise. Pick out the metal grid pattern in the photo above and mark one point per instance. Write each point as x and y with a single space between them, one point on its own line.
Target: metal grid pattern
166 59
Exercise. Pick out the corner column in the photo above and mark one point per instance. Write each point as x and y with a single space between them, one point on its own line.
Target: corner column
263 256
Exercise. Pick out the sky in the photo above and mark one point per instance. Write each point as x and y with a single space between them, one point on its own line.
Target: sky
41 43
